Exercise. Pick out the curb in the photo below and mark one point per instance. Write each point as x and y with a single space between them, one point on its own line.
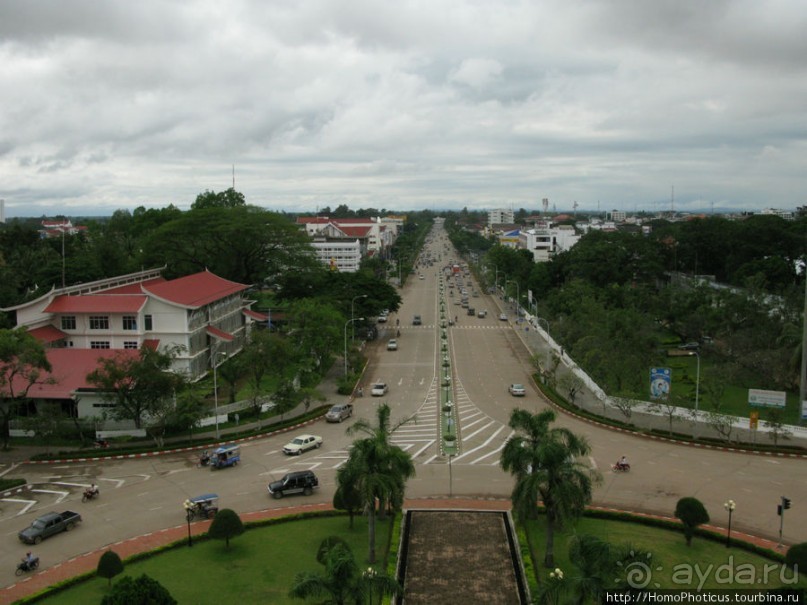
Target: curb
172 451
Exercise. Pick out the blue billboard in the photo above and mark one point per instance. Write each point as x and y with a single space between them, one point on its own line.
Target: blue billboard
660 383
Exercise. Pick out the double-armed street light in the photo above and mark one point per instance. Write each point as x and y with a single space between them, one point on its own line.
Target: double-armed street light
729 505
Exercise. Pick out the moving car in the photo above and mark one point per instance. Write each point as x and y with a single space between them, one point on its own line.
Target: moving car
503 316
47 525
298 482
339 412
392 345
482 313
301 444
379 389
416 321
517 390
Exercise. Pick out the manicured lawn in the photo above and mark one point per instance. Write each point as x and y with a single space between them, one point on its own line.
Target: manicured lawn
259 566
672 561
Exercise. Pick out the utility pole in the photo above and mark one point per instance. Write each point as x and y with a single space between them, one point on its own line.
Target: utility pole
803 380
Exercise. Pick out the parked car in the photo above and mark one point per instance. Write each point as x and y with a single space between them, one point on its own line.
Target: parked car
416 321
298 482
482 313
339 412
392 345
471 311
382 319
690 346
379 389
517 390
301 444
48 525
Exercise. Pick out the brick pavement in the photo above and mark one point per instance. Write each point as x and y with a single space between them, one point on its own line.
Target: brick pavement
88 562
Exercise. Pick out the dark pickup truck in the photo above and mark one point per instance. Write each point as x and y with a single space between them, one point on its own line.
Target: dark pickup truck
47 525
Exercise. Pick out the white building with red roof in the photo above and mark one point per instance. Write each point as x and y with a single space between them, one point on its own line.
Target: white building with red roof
342 243
201 315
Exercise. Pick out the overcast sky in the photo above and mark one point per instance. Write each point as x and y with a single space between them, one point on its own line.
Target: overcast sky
403 104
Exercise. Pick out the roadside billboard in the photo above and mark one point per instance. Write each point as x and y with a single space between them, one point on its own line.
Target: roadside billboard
759 398
660 383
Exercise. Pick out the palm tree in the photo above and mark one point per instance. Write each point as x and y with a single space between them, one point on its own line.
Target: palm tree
544 463
379 470
342 582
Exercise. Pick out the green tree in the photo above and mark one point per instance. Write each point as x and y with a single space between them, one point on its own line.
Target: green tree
796 556
223 199
138 385
544 463
226 524
267 354
141 591
379 468
342 581
23 363
692 513
109 565
347 496
244 244
317 330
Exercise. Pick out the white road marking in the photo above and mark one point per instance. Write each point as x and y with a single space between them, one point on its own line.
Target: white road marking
70 484
120 482
62 495
28 503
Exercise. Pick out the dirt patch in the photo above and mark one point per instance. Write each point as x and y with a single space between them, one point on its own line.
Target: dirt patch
459 557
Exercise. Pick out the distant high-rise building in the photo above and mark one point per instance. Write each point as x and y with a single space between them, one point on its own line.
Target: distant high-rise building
501 216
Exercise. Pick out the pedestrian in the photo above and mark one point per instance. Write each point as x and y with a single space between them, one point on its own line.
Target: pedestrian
237 419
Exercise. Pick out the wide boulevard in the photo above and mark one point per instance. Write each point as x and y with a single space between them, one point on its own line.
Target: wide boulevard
146 494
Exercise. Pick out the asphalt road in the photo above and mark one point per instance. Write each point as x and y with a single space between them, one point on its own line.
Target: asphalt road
146 494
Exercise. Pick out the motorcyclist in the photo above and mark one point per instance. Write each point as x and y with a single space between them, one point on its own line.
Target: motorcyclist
91 491
204 458
28 560
622 464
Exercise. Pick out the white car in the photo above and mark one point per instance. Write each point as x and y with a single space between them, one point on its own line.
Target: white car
503 317
517 390
392 345
302 443
379 389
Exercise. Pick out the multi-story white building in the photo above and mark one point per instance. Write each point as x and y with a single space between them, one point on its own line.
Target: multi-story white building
500 216
338 254
545 242
201 316
374 235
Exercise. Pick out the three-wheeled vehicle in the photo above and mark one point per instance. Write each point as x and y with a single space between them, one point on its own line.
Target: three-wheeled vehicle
202 507
222 457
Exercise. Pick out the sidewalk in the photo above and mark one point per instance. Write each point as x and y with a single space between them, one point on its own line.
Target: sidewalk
88 562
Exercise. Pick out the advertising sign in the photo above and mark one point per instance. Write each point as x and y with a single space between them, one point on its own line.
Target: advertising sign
766 399
660 382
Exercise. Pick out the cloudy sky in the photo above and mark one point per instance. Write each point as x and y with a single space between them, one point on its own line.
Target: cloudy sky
403 104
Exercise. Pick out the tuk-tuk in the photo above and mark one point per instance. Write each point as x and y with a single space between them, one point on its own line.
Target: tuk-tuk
229 455
204 507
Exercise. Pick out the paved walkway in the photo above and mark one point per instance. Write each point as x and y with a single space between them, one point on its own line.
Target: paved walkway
88 562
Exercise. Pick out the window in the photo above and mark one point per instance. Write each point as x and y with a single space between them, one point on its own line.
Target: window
99 344
99 322
130 322
68 322
147 322
129 344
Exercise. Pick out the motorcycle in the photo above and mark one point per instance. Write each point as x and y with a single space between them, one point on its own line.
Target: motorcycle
24 566
90 494
204 459
620 468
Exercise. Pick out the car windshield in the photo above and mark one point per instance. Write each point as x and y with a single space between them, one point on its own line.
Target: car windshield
298 440
518 386
38 524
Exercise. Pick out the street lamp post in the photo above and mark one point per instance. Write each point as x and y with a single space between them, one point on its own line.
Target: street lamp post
729 505
697 392
348 322
370 575
353 330
188 516
215 361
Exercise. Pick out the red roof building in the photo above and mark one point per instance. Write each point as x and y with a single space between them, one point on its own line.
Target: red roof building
200 316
